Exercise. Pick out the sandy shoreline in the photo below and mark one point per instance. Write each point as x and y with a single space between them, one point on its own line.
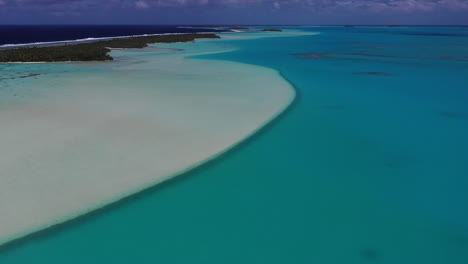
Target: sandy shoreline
92 138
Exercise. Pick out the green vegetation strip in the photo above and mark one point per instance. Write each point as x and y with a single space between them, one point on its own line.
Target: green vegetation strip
94 51
271 30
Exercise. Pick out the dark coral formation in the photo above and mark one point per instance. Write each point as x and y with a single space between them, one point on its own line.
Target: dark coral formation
373 73
454 115
19 77
317 55
370 254
365 56
331 107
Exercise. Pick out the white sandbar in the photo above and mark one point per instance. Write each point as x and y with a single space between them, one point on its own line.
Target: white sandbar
89 138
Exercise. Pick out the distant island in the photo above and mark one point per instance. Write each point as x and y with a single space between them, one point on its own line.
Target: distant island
271 30
95 51
239 28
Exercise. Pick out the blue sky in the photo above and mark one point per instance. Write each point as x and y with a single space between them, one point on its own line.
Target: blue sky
234 12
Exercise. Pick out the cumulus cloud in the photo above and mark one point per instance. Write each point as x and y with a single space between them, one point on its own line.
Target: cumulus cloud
276 5
141 5
373 5
369 5
404 5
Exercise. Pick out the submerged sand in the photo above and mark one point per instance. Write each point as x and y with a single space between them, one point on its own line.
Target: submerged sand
88 138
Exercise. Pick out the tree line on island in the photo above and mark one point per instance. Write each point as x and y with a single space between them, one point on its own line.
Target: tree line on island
94 51
271 30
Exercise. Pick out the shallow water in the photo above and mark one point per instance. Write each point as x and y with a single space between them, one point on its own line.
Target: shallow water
363 168
73 141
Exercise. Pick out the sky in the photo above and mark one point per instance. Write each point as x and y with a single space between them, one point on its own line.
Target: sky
306 12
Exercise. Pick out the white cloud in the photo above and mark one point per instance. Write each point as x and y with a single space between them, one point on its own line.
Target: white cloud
276 5
140 4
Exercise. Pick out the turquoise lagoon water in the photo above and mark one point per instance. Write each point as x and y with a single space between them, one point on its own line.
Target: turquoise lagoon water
369 165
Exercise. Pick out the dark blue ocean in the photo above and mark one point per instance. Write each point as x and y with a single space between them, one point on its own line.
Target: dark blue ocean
20 34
